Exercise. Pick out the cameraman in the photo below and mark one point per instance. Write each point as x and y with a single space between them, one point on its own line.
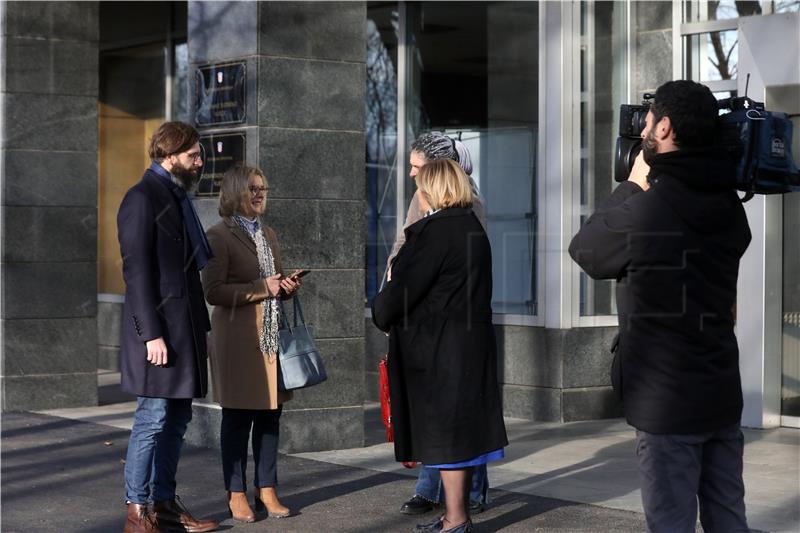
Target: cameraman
672 236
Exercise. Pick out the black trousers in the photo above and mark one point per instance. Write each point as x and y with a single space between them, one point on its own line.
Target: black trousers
679 471
237 426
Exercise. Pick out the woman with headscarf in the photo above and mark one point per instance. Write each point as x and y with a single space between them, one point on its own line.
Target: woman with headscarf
445 398
243 282
429 491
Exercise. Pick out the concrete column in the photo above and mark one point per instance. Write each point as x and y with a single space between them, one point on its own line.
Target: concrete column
305 129
48 177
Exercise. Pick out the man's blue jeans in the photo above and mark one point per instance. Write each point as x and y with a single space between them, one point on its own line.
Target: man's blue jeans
430 486
154 448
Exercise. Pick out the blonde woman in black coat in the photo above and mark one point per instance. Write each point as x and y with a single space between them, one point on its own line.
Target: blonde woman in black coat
446 404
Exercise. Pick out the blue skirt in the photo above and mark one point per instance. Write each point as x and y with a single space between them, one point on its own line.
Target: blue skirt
482 459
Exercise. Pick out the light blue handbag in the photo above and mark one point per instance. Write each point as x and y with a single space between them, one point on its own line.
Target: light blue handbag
299 361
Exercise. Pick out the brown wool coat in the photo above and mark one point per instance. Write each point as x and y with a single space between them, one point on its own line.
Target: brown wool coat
242 376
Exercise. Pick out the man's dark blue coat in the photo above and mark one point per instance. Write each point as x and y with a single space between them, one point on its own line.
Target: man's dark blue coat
163 295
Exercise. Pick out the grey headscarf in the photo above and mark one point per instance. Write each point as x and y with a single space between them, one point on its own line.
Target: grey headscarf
464 159
435 145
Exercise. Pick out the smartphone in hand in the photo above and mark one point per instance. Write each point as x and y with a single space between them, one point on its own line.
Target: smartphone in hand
297 274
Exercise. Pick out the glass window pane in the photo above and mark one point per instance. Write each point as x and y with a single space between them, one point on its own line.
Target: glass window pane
713 56
606 84
791 306
473 73
726 10
180 84
786 6
381 139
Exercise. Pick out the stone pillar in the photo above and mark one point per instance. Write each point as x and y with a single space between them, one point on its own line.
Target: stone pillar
48 176
305 128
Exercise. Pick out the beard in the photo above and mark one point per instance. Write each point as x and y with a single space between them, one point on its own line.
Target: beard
188 177
649 146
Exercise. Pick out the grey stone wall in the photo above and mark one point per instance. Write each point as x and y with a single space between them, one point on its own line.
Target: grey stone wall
305 123
554 375
48 175
652 60
109 324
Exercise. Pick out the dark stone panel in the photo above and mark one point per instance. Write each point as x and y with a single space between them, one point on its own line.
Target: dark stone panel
376 344
532 403
372 386
49 346
222 30
51 67
50 178
50 122
313 164
524 359
109 323
43 234
203 430
33 393
333 303
313 430
344 363
652 65
590 404
304 430
296 93
318 30
586 355
653 15
53 20
49 290
319 234
108 358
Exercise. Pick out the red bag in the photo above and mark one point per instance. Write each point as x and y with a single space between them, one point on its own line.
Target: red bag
386 404
386 408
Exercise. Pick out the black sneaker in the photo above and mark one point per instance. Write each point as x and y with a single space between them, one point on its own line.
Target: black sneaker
417 505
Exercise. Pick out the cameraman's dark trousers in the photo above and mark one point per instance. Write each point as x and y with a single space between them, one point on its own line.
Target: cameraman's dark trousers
677 471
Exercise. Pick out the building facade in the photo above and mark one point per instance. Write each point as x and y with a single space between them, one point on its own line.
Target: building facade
326 97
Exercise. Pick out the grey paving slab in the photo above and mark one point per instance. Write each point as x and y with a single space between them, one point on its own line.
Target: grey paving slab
62 475
577 476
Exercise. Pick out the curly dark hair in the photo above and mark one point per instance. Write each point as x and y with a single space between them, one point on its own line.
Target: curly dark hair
692 110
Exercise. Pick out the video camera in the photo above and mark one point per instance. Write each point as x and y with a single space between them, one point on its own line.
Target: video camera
759 143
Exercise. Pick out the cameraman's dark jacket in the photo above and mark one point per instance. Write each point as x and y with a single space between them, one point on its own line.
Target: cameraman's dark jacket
674 251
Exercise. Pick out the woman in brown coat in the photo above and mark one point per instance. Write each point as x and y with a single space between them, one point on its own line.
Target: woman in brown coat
243 281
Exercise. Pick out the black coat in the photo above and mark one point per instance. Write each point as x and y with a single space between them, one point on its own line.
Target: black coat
446 404
162 298
675 252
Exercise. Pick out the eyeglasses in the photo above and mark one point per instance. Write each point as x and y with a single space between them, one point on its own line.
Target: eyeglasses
256 190
195 156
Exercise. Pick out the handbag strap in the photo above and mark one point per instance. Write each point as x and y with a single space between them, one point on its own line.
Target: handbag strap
282 322
297 312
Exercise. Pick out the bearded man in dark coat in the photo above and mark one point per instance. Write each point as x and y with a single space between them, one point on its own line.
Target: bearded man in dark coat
672 236
164 325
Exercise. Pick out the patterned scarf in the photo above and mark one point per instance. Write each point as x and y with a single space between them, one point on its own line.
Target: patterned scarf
268 342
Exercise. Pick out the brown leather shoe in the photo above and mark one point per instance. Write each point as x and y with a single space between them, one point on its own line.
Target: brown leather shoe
140 520
172 515
267 497
238 507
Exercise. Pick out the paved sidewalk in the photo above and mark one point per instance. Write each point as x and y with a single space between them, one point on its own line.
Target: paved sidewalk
65 475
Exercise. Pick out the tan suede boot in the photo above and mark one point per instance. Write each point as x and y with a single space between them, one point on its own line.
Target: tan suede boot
268 497
239 508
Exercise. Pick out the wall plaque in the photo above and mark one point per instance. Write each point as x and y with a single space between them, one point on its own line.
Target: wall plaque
221 152
220 94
